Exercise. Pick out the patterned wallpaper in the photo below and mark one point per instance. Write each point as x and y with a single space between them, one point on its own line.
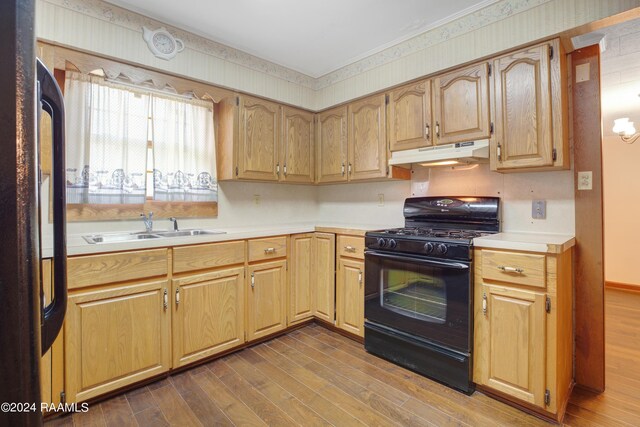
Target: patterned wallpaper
100 27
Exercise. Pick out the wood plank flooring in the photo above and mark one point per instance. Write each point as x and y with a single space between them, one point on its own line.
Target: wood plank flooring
314 377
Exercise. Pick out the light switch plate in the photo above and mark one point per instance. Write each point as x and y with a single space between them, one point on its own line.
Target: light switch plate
539 209
585 180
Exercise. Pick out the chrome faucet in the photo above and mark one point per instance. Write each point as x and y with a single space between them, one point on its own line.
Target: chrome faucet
148 221
175 223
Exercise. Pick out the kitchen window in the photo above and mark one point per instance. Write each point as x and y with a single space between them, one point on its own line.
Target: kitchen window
132 149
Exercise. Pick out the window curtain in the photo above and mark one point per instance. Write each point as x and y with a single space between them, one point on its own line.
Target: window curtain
183 150
107 134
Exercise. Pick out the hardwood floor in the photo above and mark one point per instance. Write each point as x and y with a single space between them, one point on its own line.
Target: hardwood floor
314 377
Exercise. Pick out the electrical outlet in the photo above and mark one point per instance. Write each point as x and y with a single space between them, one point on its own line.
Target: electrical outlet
539 209
256 199
380 199
585 180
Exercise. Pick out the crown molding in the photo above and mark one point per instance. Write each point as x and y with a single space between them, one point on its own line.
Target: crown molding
486 13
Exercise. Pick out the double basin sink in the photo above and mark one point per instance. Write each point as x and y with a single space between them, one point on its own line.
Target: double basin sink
133 237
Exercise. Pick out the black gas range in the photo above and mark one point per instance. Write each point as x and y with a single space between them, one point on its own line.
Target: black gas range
419 286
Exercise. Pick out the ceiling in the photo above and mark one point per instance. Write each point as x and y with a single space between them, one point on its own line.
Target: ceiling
313 37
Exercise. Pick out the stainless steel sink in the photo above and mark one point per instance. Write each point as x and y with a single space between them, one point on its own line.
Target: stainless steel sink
118 237
187 232
133 237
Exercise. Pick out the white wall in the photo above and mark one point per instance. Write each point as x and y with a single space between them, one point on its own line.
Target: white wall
620 67
279 204
517 190
100 27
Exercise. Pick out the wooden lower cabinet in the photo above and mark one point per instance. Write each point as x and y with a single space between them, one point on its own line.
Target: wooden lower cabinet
266 298
116 336
524 333
324 290
350 296
208 314
52 362
301 277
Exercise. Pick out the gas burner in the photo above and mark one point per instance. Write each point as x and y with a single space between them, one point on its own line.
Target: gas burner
453 234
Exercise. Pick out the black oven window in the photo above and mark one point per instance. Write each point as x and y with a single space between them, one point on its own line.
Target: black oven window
418 294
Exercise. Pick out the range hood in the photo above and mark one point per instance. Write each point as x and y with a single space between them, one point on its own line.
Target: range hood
444 155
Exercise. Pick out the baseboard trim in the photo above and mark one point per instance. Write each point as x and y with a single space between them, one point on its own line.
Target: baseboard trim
622 286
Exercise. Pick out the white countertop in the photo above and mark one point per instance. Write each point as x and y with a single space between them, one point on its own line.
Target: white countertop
531 242
76 245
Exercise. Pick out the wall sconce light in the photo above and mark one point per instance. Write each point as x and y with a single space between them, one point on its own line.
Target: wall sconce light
625 129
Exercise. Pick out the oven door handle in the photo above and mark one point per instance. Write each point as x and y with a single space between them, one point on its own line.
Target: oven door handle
443 264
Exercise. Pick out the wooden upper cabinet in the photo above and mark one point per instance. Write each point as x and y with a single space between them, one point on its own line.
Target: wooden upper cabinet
367 138
297 148
410 116
528 111
331 145
461 105
259 136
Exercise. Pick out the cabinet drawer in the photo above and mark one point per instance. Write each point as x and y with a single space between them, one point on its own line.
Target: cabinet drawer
512 267
269 248
189 258
117 267
351 246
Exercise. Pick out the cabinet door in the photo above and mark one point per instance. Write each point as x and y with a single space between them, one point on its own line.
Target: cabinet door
266 299
410 116
208 314
297 149
522 110
325 277
461 105
115 337
510 343
258 139
367 138
301 277
331 145
350 296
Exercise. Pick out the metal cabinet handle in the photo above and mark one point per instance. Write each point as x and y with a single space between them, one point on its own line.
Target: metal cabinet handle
437 129
350 170
278 168
349 248
360 277
427 132
507 269
484 304
253 281
269 251
284 169
177 297
499 152
165 299
342 170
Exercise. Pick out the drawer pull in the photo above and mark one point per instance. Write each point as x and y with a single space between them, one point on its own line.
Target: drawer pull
506 269
349 248
269 251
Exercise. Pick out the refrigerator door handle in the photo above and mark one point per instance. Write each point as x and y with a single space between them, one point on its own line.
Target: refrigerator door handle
50 98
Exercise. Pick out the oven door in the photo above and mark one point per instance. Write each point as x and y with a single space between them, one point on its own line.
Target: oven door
424 297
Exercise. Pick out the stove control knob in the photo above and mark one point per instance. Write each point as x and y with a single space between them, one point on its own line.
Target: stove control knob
382 242
442 249
392 244
428 247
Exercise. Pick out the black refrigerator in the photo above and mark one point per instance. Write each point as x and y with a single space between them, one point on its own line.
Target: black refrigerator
27 327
